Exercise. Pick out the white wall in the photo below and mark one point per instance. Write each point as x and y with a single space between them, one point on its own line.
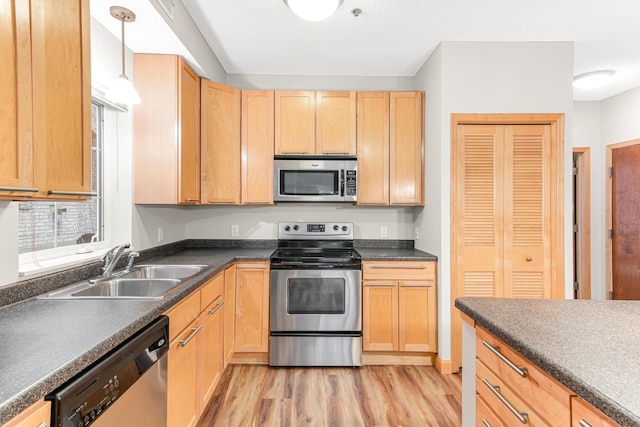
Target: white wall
587 132
8 242
491 77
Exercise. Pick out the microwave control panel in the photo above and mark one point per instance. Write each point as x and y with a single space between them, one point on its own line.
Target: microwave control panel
350 183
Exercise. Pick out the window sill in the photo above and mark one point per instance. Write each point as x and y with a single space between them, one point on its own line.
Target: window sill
29 270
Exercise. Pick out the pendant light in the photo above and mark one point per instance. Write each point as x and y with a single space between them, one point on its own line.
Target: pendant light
122 90
313 10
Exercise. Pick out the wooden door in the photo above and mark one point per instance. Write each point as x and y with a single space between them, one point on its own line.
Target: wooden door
189 104
406 145
61 67
417 316
336 123
252 308
625 181
507 215
295 124
257 147
527 211
16 131
373 148
210 352
182 399
380 316
229 312
219 143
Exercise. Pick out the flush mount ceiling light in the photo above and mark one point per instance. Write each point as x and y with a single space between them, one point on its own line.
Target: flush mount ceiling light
313 10
592 79
122 91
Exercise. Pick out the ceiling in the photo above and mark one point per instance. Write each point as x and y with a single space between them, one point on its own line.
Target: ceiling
395 37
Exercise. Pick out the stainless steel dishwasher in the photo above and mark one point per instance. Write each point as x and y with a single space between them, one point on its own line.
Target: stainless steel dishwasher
127 387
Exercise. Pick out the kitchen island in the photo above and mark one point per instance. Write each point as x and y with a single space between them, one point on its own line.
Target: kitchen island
590 347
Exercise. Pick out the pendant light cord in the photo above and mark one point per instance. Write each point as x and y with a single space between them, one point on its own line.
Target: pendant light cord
123 48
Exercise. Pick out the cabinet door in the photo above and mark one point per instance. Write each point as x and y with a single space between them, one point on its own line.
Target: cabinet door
189 104
252 308
406 155
16 138
229 312
295 122
62 88
373 148
220 143
37 415
257 147
417 319
380 316
210 349
182 399
336 123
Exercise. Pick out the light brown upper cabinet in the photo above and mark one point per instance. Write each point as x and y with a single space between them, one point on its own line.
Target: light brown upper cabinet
46 145
257 147
166 131
315 123
220 143
390 148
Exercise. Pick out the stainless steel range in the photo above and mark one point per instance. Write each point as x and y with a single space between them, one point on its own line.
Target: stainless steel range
315 297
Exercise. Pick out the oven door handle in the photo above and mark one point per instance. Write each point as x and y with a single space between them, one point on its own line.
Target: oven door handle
315 334
341 182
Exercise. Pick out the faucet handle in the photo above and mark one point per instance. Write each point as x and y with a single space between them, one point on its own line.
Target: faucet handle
132 256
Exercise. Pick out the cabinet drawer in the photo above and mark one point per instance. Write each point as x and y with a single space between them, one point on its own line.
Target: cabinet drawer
585 415
183 313
37 415
504 402
212 290
399 270
549 398
485 417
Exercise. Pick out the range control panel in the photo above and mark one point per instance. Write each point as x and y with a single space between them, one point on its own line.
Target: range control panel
315 230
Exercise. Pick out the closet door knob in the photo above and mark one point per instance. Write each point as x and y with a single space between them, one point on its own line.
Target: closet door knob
529 259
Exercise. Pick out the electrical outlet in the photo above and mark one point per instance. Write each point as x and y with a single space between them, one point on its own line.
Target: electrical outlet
235 230
383 231
160 234
416 233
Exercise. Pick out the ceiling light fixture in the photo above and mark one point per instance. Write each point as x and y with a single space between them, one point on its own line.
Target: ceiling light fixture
592 79
122 91
313 10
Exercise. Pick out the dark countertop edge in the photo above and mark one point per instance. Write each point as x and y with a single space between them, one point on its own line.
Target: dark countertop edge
586 392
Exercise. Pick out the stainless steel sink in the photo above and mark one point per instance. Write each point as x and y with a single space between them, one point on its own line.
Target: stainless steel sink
129 288
149 282
160 271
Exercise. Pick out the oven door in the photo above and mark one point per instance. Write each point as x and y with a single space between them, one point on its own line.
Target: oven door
327 300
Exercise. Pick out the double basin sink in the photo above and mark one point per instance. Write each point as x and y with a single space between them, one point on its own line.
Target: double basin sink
141 282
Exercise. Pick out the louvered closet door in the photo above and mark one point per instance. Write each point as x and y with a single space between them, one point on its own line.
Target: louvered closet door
527 201
479 216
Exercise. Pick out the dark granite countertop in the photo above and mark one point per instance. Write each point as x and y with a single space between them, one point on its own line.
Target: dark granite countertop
46 342
391 254
592 347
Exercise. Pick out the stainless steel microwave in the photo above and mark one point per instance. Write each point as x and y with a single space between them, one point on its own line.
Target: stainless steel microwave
315 179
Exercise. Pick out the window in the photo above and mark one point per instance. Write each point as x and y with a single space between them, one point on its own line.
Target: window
45 226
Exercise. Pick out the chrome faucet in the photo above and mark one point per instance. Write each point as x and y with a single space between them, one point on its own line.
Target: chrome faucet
111 258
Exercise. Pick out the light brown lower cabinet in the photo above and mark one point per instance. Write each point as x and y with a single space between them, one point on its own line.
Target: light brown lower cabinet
585 415
252 308
37 415
229 313
195 360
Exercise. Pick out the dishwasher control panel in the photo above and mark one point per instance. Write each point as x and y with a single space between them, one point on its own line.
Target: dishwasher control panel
84 398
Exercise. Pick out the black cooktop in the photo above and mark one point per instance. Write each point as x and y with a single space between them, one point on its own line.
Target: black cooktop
315 254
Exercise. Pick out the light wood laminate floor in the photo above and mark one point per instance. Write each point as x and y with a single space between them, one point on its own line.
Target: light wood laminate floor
250 395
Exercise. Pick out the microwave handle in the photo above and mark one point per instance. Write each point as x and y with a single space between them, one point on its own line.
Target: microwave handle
342 182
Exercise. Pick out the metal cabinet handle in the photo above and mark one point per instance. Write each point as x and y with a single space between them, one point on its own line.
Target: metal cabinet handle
335 152
23 189
583 423
417 285
193 334
373 203
520 415
252 267
42 425
494 349
486 423
216 308
71 193
189 199
401 267
295 152
381 284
